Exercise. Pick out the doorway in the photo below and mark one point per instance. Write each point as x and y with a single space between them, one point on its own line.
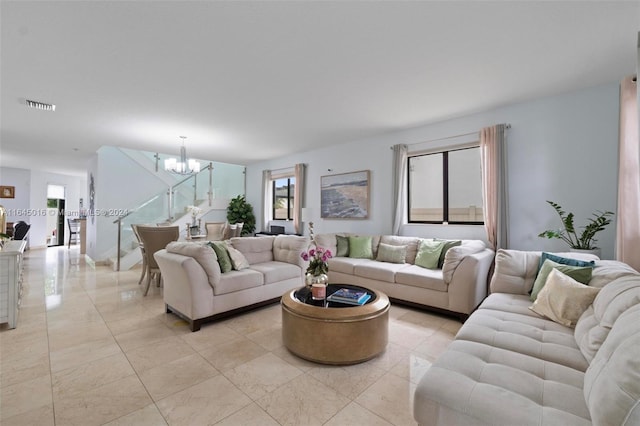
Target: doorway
55 215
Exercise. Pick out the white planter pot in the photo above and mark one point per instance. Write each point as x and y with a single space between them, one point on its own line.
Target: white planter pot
595 251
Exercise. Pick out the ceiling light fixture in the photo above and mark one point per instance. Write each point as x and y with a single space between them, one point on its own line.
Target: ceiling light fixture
184 166
40 105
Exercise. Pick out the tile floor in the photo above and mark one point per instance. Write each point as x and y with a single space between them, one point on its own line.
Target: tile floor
90 350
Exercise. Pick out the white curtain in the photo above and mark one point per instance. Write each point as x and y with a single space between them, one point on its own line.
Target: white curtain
628 217
400 158
266 199
298 197
494 185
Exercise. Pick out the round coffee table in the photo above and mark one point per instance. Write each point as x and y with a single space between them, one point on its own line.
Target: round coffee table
335 333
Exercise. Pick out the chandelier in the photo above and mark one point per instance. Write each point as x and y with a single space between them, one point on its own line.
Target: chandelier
182 166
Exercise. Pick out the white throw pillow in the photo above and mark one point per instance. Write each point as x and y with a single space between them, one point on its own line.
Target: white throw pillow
563 299
238 260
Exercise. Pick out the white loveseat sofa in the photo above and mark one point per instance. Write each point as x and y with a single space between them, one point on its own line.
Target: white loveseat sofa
511 366
457 288
196 289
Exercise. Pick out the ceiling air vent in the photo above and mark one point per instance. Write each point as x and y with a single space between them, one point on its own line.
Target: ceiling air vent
40 105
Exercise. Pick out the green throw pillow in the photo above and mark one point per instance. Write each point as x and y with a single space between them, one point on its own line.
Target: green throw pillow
429 253
342 249
582 274
447 245
391 254
563 260
360 247
223 255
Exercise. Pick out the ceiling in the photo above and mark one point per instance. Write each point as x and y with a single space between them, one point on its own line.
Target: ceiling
250 81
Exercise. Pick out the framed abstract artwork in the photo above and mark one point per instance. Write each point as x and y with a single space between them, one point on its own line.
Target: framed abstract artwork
345 196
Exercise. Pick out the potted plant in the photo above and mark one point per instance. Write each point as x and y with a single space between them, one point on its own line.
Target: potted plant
241 211
583 241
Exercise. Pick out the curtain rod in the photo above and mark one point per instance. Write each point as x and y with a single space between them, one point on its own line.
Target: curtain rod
507 126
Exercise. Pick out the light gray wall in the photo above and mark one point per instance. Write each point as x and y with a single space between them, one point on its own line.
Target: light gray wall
561 148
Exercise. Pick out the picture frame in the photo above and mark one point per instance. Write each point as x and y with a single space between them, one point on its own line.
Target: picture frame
345 195
7 192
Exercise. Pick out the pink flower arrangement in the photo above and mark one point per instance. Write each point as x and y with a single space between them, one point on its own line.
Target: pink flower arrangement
317 258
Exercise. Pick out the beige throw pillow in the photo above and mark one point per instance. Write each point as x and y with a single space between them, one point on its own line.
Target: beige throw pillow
238 260
391 254
563 299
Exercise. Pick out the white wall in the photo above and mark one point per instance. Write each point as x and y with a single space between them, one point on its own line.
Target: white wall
31 195
561 148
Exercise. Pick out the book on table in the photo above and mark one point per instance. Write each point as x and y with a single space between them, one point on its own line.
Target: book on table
346 295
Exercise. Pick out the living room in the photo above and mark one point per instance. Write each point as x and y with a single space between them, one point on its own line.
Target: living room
562 145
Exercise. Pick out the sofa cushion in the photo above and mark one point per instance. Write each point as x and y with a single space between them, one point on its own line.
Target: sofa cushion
346 265
563 299
447 245
277 271
596 322
391 254
514 303
612 381
429 253
476 383
203 254
222 255
360 247
381 271
533 336
255 249
287 248
582 274
570 261
238 261
238 280
607 271
417 276
411 244
342 246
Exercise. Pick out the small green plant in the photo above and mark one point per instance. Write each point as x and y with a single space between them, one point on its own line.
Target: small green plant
241 211
568 233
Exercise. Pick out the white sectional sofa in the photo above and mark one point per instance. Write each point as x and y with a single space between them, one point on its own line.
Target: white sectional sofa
456 288
511 366
196 289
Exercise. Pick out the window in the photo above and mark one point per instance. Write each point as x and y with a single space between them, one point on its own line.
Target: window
282 203
446 187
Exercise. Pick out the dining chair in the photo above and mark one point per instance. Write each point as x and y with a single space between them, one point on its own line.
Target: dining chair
74 231
155 238
215 230
134 228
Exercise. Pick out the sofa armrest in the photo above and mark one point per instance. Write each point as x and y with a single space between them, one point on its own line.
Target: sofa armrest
186 285
468 285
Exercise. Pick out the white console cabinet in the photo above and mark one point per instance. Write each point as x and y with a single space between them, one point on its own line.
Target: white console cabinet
11 281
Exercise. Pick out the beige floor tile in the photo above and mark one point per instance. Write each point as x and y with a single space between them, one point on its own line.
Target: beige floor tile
85 352
452 326
261 319
232 354
210 335
102 404
392 355
407 334
138 320
426 320
61 337
177 375
413 369
158 353
269 338
143 336
389 398
262 375
349 381
354 414
251 415
435 344
41 416
203 404
90 375
296 361
22 368
25 396
147 416
303 401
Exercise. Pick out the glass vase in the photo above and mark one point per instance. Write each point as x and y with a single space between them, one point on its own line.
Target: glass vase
311 279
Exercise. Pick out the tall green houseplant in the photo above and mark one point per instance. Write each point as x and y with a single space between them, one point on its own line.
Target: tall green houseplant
241 211
569 234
